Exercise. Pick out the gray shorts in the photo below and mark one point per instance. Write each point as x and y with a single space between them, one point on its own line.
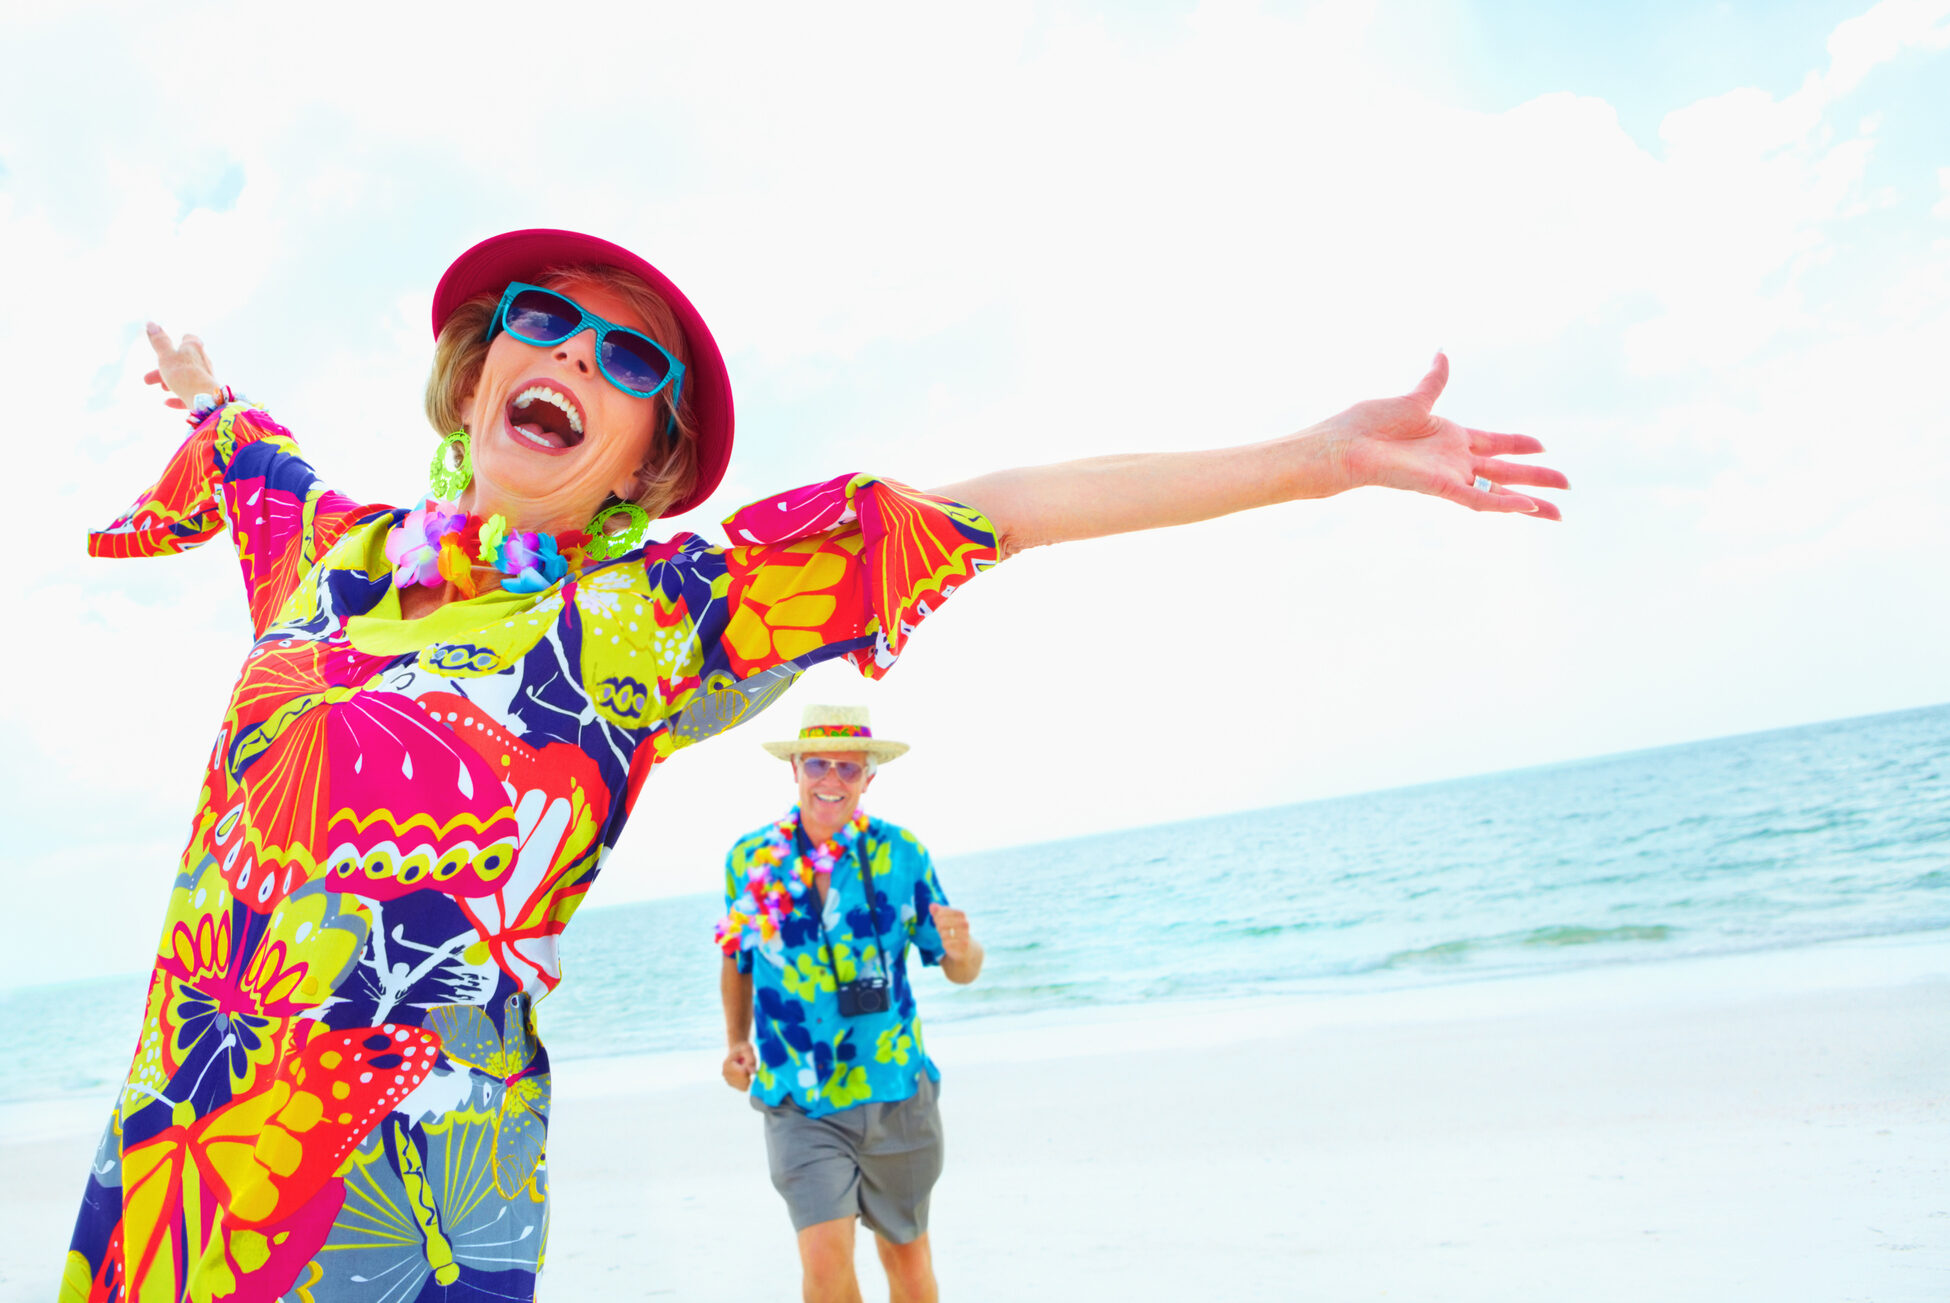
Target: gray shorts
876 1161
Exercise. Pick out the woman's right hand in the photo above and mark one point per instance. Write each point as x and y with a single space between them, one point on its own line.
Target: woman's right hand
740 1066
183 370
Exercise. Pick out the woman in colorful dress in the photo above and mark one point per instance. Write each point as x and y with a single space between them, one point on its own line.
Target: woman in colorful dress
449 712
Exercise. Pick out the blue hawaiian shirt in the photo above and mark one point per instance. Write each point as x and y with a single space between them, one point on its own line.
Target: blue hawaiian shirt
807 1050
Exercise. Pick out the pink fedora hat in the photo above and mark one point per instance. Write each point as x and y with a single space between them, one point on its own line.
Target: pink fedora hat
525 255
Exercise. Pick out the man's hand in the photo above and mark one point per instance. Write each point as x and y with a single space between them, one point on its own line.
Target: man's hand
956 940
183 370
740 1065
961 953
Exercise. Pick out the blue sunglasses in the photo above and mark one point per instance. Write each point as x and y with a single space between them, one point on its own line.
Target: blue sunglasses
630 359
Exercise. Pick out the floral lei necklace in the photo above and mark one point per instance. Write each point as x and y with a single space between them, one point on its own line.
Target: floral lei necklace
778 877
438 542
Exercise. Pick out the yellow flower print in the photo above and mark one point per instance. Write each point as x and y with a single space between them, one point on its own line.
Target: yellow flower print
890 1050
843 961
848 1086
807 979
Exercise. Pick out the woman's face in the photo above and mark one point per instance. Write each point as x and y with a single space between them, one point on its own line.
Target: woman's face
552 438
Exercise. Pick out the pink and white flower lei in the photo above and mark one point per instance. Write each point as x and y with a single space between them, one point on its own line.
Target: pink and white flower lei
777 878
413 548
438 543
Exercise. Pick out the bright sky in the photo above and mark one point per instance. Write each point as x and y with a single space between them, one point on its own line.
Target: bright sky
1702 251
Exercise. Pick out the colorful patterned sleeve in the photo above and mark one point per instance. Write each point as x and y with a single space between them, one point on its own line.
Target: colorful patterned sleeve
699 638
242 468
846 568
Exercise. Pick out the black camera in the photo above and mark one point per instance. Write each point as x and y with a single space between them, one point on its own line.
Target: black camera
863 995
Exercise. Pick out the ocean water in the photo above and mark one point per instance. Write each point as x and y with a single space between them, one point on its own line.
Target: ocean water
1762 841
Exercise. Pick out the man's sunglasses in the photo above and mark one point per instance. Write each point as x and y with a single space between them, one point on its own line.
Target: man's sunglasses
815 767
630 359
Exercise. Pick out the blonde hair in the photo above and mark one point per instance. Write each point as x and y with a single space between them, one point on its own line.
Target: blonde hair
461 351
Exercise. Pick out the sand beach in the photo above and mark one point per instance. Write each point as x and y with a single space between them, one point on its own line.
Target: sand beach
1772 1126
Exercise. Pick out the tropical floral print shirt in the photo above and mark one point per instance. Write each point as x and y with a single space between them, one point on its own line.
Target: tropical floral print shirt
808 1050
339 1091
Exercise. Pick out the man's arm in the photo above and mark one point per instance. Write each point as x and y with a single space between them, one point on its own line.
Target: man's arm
740 1060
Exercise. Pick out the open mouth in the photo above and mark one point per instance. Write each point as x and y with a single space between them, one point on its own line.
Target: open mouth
545 417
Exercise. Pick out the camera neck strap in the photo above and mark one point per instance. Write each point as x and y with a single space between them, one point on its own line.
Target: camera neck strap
873 907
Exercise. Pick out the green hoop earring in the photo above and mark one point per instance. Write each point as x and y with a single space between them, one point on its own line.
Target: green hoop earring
607 546
453 467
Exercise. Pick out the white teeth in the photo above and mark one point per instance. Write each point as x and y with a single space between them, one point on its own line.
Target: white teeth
548 395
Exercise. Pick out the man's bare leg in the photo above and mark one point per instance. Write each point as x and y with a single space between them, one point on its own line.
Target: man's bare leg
910 1269
826 1257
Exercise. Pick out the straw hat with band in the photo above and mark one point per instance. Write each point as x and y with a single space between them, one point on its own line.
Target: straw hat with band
836 728
525 255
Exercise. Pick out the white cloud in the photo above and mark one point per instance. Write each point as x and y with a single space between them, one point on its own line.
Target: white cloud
1861 44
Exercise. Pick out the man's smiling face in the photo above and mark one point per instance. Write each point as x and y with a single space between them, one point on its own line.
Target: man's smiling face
826 802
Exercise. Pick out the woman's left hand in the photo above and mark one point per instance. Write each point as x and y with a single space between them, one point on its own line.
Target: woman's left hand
1400 443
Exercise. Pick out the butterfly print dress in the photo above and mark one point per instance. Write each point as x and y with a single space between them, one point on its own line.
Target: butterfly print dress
338 1092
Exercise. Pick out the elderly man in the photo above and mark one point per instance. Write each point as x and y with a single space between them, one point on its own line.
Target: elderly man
820 910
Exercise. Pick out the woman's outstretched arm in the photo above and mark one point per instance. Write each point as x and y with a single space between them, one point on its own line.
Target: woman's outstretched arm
1391 442
238 469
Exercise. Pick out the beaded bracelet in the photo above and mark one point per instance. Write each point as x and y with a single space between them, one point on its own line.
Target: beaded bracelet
203 404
